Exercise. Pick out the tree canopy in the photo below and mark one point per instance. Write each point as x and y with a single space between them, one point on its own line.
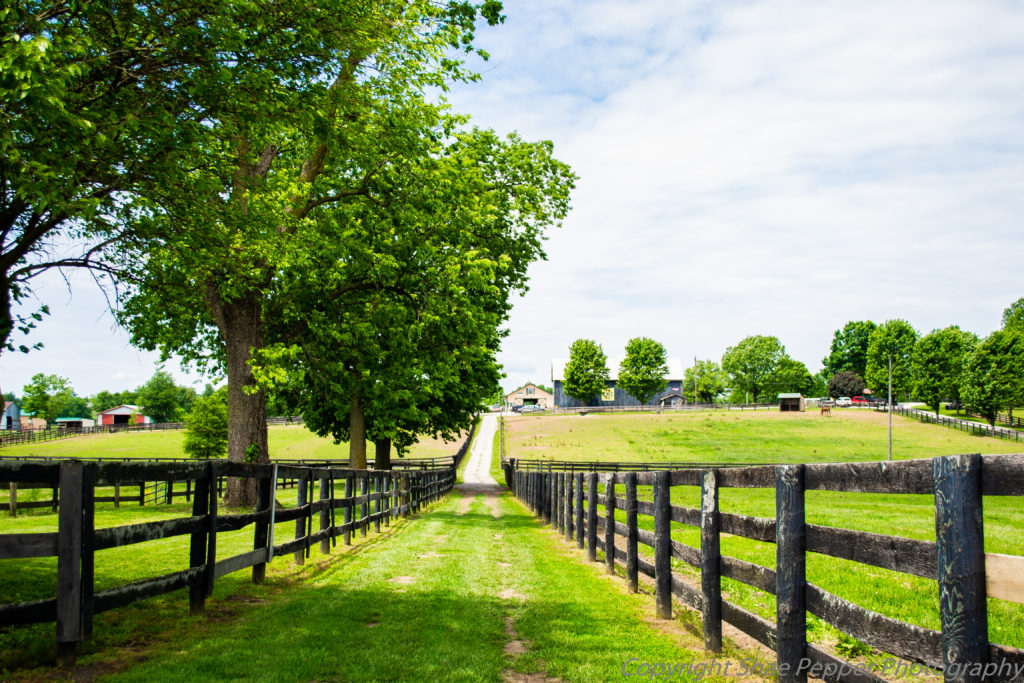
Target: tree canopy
1013 316
937 365
895 339
46 396
846 383
586 373
994 375
752 363
711 381
849 351
643 369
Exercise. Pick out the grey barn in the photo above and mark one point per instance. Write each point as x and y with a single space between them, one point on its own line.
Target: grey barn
615 396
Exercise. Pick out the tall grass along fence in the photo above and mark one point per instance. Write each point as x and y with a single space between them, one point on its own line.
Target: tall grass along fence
365 497
165 491
14 437
956 559
956 423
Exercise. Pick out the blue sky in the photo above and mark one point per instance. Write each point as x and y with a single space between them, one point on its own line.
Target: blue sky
745 168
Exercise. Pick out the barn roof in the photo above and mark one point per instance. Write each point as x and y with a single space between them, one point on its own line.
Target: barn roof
123 409
675 369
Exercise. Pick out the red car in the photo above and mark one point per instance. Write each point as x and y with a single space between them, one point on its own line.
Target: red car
859 401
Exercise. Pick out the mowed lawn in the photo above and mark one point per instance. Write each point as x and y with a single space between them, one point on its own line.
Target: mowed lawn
738 437
285 442
772 437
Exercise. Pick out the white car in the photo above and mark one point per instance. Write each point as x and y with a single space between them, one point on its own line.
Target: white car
844 402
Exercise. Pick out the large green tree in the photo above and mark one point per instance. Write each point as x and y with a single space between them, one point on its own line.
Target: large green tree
586 373
46 396
937 365
430 270
791 376
302 140
1013 316
711 382
643 369
753 362
892 339
846 383
994 375
98 99
160 398
849 351
206 431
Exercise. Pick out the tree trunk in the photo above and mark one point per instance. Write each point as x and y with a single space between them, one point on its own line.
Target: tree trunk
357 435
382 454
241 325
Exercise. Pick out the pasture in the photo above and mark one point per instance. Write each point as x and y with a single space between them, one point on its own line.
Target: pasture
849 436
285 442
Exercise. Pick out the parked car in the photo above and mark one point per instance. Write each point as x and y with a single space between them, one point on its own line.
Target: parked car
844 402
859 401
531 409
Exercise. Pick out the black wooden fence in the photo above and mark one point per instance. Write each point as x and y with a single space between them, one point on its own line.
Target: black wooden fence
369 498
956 560
157 492
969 426
13 437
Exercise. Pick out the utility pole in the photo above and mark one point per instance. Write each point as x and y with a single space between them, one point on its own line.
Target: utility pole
695 381
890 406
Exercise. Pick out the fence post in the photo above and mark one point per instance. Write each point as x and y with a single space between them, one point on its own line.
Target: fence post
711 561
959 532
364 511
142 493
261 532
632 565
88 545
69 562
609 523
325 518
211 531
377 504
301 520
592 516
197 546
579 511
568 506
557 492
663 545
385 482
13 502
790 572
552 493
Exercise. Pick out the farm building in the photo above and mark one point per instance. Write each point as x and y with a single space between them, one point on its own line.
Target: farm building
29 421
122 415
530 395
12 416
74 424
613 395
791 403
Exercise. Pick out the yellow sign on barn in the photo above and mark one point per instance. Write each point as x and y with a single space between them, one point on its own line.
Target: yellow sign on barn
608 395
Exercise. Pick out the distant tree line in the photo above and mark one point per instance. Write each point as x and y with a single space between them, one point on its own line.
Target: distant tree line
982 376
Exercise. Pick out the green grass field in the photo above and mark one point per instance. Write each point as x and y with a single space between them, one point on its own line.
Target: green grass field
285 443
848 436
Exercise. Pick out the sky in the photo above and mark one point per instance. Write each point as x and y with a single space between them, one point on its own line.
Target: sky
774 168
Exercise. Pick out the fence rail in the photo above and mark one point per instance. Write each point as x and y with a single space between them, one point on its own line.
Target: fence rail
382 496
956 560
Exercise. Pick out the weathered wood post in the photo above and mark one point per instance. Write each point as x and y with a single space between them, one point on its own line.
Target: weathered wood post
568 506
580 537
188 490
960 535
403 495
377 504
790 573
197 545
592 516
117 495
211 528
301 520
552 499
386 497
13 501
347 514
261 531
325 513
632 564
558 490
364 510
169 493
88 545
609 523
69 562
663 545
711 561
142 493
